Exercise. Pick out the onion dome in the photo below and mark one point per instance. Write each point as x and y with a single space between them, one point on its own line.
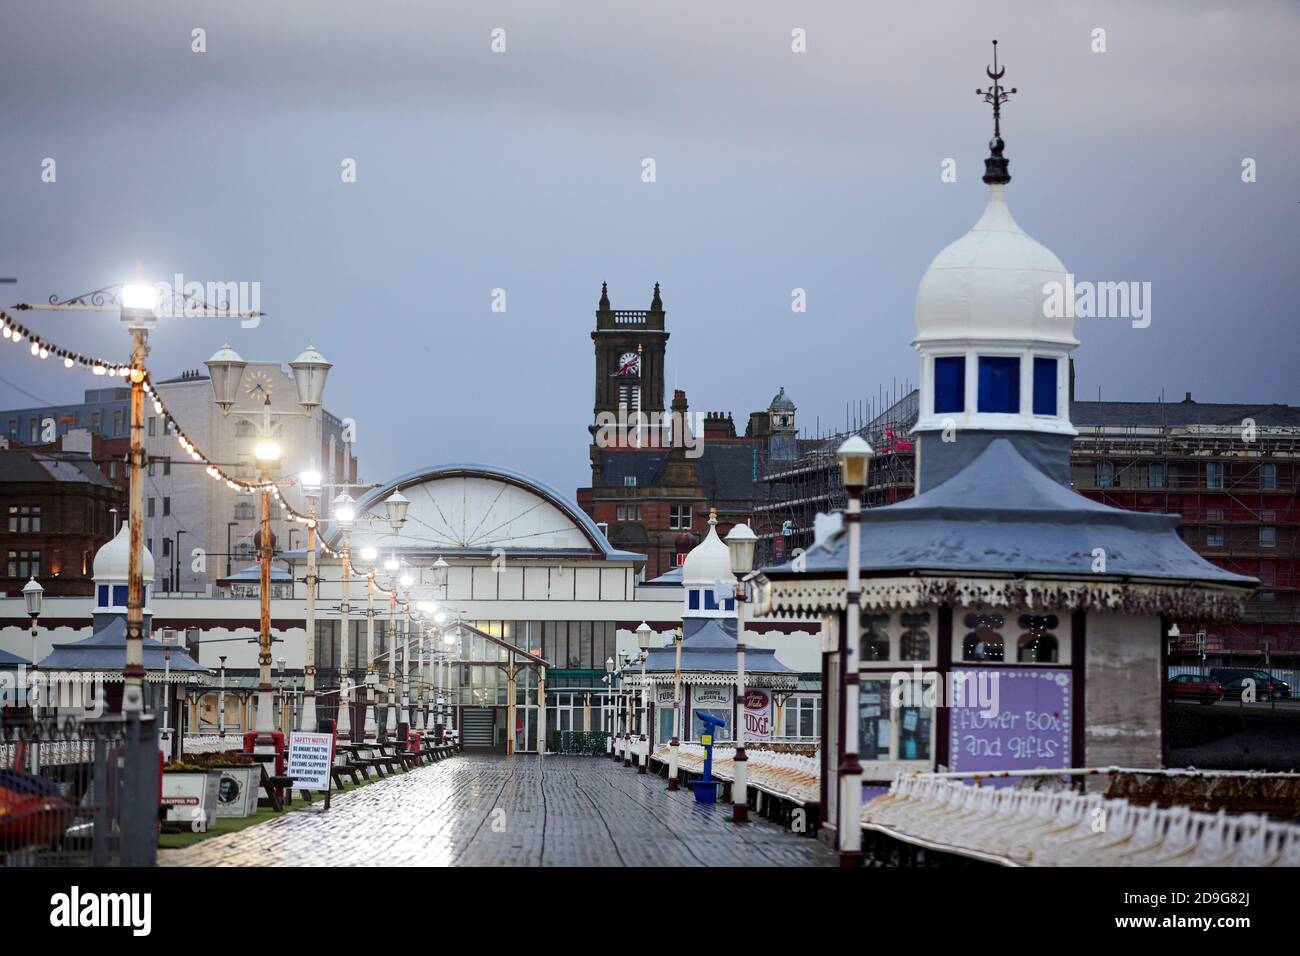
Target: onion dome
113 560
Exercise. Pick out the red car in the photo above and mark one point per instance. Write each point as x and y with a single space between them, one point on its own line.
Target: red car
1192 687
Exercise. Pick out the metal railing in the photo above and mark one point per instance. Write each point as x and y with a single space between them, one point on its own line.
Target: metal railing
79 792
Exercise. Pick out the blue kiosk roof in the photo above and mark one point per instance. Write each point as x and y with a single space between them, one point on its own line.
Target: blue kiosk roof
105 650
1001 515
709 644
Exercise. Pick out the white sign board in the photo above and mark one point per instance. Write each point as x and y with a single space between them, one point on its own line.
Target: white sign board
309 760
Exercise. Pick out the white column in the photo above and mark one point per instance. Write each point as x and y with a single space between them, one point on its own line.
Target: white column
371 730
345 688
674 744
739 790
849 824
541 710
309 662
421 694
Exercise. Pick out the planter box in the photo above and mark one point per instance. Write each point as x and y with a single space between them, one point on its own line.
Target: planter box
237 790
191 797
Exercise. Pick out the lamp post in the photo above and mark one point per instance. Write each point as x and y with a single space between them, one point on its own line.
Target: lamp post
741 542
309 481
267 453
395 507
167 677
221 702
405 582
279 692
176 575
370 729
428 609
677 706
855 459
390 717
139 305
643 635
622 715
609 707
34 596
226 369
344 515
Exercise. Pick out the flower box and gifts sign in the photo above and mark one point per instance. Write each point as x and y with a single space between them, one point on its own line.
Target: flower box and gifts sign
1028 729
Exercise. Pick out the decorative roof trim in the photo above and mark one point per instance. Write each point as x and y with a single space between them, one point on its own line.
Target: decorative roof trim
792 597
721 679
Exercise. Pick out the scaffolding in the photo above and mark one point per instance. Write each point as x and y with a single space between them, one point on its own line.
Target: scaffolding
1236 494
796 484
1238 508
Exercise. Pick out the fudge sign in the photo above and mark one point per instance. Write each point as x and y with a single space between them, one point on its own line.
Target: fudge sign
1029 730
758 714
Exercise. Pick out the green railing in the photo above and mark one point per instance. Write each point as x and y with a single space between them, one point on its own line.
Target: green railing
586 743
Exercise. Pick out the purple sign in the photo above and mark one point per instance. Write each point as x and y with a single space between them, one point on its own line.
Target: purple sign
1023 724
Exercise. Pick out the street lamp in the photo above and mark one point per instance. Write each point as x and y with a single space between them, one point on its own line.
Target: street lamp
626 706
395 507
310 482
677 704
138 312
369 727
345 514
405 581
855 459
643 635
34 596
609 698
309 372
225 370
221 701
267 454
741 543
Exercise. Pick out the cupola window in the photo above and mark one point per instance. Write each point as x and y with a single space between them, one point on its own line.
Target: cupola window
999 383
1044 386
949 384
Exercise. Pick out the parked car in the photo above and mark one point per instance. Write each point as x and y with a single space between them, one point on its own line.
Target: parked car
1234 680
1192 687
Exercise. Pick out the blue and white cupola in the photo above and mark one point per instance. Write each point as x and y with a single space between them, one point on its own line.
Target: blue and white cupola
994 356
707 579
111 570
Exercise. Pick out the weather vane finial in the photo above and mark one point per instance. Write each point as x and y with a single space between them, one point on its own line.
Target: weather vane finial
995 167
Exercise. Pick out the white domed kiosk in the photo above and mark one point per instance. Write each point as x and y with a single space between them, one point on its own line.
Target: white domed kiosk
995 359
111 570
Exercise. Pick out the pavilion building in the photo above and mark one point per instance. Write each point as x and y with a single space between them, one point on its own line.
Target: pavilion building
708 659
1007 622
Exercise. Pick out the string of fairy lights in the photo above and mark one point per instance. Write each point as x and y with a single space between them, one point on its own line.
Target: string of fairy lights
41 349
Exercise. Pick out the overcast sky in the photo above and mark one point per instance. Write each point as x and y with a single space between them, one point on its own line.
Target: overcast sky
522 171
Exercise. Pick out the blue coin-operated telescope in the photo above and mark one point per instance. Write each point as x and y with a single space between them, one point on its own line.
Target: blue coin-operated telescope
706 788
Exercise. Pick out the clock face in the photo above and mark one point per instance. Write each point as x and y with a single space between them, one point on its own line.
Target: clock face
629 363
257 385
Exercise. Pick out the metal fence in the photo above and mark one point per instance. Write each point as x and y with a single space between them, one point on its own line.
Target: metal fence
79 792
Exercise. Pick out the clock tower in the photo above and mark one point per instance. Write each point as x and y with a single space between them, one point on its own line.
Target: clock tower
630 347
